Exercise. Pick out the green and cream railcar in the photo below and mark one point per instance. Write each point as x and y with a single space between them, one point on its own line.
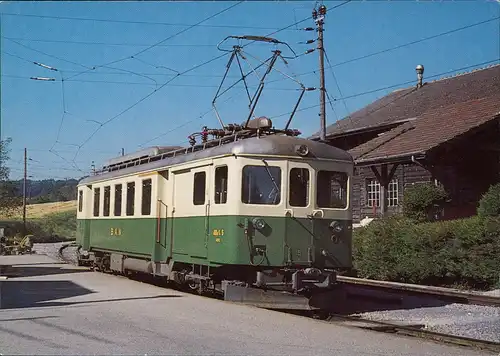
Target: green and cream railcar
243 211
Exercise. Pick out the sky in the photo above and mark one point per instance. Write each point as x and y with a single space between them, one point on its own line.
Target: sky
93 109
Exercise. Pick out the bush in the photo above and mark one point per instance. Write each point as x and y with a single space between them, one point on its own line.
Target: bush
463 252
489 205
421 200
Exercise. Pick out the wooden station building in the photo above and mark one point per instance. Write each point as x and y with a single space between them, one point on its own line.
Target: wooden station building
445 131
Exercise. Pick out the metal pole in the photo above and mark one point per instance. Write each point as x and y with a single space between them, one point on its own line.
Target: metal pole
24 187
322 91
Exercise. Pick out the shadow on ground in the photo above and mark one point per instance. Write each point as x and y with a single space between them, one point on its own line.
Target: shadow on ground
363 300
27 294
41 270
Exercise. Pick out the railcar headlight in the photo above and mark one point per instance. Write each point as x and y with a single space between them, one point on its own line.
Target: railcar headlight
336 227
259 223
302 150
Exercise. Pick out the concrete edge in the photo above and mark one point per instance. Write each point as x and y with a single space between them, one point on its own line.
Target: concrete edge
2 279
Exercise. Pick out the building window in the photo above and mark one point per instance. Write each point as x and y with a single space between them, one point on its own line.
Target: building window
199 188
97 198
146 197
220 185
373 193
107 200
130 198
299 187
392 193
80 200
261 185
118 200
331 190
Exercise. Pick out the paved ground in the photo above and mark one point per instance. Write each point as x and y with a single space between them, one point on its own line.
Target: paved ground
58 309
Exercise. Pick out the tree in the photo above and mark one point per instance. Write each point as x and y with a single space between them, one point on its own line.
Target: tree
9 197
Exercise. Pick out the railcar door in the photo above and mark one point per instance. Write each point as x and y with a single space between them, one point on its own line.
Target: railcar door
333 227
300 234
191 211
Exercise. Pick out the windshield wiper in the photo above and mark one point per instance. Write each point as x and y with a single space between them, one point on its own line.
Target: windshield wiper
274 182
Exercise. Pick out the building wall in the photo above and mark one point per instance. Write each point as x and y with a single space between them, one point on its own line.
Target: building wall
465 168
404 176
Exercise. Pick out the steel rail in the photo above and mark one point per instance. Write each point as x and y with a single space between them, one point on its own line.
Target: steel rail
462 297
408 330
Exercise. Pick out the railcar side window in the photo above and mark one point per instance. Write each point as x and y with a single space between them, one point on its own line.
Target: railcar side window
107 200
331 190
199 188
220 185
118 200
97 199
146 197
80 200
261 185
299 187
130 198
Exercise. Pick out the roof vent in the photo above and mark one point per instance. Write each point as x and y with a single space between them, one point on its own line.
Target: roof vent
420 75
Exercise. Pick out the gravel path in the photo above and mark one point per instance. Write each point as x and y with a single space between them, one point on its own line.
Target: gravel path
474 321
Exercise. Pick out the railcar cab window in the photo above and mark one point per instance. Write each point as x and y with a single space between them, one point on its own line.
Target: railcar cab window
299 187
199 188
220 185
331 190
146 197
80 200
118 200
130 198
107 200
261 185
97 199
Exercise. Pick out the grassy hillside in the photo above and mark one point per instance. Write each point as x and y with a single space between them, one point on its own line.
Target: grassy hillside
46 221
36 211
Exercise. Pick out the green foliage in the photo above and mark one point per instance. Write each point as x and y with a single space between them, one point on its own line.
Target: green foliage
421 200
489 205
9 197
53 227
439 253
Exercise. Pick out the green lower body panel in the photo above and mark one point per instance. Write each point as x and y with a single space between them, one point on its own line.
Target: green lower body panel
219 240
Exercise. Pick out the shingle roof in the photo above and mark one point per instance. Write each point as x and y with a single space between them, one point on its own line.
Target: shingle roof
430 129
411 102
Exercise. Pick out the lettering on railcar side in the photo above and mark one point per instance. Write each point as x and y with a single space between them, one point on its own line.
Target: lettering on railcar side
115 231
218 232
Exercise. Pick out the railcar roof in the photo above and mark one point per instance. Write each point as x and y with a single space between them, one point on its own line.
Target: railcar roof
275 145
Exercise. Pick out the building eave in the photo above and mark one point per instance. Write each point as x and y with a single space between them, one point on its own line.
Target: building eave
399 158
363 130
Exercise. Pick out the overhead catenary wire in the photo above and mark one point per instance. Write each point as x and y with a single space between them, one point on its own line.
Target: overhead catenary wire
144 98
389 49
394 86
145 84
135 22
163 40
335 80
393 48
168 82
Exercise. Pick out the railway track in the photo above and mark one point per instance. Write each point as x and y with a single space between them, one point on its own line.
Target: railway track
446 293
391 327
